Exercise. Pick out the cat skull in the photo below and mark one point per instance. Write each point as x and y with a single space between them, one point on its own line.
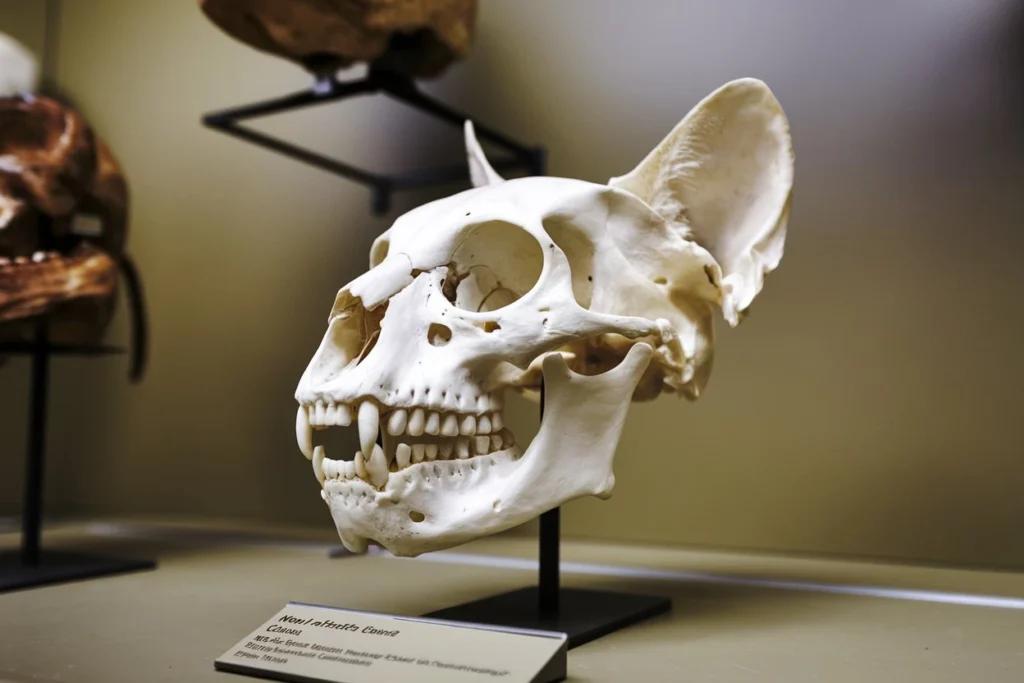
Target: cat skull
599 294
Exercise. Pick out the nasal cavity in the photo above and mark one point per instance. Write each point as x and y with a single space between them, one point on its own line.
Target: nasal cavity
438 334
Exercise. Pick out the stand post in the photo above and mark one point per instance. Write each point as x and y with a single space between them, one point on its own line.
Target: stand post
31 522
548 589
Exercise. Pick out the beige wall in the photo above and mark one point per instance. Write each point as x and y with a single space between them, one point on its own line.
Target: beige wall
870 405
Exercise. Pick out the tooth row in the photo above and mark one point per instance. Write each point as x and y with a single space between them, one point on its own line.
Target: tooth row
324 414
417 421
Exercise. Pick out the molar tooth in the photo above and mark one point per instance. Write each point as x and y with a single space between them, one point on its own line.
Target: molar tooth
483 404
318 464
359 465
445 450
419 452
468 426
403 453
377 467
462 449
396 423
496 442
369 423
508 439
451 425
481 444
343 415
483 425
304 432
320 418
433 425
497 421
417 421
430 451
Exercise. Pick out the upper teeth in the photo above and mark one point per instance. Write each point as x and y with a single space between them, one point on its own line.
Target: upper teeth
443 436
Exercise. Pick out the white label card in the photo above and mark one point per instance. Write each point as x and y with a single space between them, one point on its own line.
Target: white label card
311 643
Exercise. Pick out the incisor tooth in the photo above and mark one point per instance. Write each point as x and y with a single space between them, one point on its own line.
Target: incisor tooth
451 425
402 455
433 425
417 421
483 425
350 469
304 432
430 451
481 444
396 423
321 414
369 422
318 464
462 449
343 416
468 426
377 467
419 451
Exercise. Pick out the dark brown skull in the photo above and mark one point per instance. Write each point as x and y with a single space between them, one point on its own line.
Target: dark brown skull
63 222
419 38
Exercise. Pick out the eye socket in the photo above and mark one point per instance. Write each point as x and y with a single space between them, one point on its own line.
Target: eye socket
496 265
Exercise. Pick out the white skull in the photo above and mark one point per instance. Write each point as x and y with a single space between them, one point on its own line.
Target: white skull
603 293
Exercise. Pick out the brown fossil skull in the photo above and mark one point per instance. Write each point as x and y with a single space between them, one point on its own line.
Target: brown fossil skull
63 222
418 38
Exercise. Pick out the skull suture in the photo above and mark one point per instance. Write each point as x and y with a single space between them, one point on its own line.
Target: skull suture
63 222
603 292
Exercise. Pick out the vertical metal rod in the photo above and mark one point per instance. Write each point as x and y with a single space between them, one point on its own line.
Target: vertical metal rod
32 517
549 577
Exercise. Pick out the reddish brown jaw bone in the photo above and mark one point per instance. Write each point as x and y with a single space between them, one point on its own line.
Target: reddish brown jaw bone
35 286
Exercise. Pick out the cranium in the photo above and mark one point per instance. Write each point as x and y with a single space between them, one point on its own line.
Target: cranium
63 220
416 37
600 293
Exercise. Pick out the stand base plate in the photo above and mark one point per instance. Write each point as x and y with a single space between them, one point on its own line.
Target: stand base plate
583 615
61 567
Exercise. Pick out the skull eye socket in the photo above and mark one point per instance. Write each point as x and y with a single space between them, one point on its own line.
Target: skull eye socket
496 265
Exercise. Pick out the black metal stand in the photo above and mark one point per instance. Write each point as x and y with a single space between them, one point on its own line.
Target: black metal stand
32 566
583 615
529 160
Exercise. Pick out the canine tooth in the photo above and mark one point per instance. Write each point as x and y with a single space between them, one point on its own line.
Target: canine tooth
468 426
318 464
304 432
369 423
417 421
359 466
451 425
481 444
377 467
320 418
430 451
403 453
445 450
433 425
419 452
483 425
396 423
462 449
496 442
344 415
497 422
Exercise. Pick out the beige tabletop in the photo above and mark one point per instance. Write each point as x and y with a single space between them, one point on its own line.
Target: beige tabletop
735 617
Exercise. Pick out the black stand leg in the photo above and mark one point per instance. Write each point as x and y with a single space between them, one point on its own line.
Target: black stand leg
31 566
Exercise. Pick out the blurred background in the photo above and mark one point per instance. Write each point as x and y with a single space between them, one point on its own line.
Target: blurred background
869 406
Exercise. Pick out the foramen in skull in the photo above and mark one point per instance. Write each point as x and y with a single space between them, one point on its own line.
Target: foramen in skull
604 294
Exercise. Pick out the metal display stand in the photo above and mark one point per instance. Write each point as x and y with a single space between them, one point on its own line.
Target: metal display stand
31 566
530 160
